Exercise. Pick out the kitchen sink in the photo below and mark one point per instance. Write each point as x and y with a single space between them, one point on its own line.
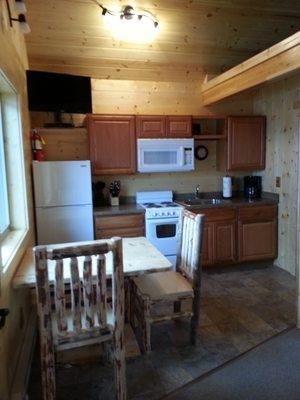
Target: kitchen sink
201 202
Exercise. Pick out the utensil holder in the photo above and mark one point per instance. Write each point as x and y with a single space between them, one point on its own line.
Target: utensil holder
114 201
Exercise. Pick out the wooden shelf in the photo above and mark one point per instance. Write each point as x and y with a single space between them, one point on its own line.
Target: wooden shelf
209 137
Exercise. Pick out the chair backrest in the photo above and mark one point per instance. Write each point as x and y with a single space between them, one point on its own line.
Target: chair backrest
83 316
189 243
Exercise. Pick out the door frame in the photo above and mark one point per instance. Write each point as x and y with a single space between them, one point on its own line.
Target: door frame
297 107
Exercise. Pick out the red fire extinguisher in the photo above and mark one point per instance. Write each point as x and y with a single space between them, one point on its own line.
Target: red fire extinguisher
37 143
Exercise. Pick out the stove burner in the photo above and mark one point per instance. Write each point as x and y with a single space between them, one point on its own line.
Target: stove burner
151 205
169 204
164 204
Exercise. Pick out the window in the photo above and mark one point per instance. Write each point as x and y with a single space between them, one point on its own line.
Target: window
4 213
13 198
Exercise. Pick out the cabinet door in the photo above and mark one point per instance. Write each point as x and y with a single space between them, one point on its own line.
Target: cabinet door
151 126
257 240
246 143
131 225
207 244
179 126
112 144
225 242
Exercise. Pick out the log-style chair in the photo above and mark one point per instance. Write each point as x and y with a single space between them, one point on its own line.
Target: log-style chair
90 319
173 294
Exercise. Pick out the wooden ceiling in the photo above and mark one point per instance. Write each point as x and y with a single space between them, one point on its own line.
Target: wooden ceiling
195 37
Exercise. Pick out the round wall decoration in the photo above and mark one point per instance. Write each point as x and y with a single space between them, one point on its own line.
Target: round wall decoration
201 152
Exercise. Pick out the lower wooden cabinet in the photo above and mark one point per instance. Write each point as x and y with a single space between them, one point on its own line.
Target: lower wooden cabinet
257 231
225 245
247 233
219 236
128 225
207 244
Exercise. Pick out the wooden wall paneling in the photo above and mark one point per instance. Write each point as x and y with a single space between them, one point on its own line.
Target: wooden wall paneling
276 101
65 144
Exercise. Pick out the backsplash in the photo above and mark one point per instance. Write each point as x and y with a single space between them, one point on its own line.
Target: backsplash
205 175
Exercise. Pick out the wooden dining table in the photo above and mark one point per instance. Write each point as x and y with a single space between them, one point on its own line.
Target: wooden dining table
139 257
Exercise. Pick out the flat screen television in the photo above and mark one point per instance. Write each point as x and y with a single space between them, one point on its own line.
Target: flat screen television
59 92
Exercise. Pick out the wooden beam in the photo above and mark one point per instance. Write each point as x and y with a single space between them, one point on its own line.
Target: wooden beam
273 63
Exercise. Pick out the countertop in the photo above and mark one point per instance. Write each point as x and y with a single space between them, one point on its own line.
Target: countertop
122 209
236 201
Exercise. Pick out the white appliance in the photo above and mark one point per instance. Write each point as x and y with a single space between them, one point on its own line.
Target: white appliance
161 221
63 201
165 155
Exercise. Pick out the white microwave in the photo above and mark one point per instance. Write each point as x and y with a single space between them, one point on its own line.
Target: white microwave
165 155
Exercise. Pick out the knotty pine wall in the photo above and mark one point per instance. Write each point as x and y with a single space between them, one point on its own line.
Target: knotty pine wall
148 97
13 62
280 102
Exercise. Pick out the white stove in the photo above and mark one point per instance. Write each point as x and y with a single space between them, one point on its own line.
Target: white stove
161 221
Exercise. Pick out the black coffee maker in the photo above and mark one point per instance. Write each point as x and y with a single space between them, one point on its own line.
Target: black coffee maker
252 187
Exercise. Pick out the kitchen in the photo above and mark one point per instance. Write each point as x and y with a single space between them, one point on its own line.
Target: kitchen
167 104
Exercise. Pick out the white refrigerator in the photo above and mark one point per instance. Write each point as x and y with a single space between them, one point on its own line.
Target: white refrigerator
63 201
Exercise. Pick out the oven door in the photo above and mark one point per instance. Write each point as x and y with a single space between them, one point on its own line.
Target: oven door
162 233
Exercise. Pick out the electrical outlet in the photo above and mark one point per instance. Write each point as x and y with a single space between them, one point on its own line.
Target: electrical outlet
278 181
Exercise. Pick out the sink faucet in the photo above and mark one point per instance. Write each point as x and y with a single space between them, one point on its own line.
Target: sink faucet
197 192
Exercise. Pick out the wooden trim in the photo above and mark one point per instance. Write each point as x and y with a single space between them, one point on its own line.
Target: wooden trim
209 137
20 381
273 63
298 234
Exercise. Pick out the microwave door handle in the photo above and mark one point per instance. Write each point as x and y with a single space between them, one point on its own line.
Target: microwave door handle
181 162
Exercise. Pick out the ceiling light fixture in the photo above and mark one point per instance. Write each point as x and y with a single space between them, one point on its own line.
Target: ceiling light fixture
19 5
128 13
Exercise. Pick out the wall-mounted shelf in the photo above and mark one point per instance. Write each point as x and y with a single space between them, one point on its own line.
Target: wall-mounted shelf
209 127
209 137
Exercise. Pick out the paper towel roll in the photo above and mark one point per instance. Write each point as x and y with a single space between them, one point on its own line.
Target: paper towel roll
227 187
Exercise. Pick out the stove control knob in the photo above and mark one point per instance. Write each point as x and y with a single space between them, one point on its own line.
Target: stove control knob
162 213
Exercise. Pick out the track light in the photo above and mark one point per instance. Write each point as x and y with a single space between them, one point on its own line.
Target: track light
24 27
128 13
20 7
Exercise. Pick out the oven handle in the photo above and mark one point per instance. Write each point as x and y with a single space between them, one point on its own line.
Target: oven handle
162 221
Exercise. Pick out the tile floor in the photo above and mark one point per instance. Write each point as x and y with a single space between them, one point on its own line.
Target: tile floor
241 307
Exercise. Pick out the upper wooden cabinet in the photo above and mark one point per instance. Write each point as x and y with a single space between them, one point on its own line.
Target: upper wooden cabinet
245 145
160 126
151 126
112 143
178 126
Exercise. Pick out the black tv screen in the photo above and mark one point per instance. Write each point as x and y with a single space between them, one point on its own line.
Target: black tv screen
59 92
